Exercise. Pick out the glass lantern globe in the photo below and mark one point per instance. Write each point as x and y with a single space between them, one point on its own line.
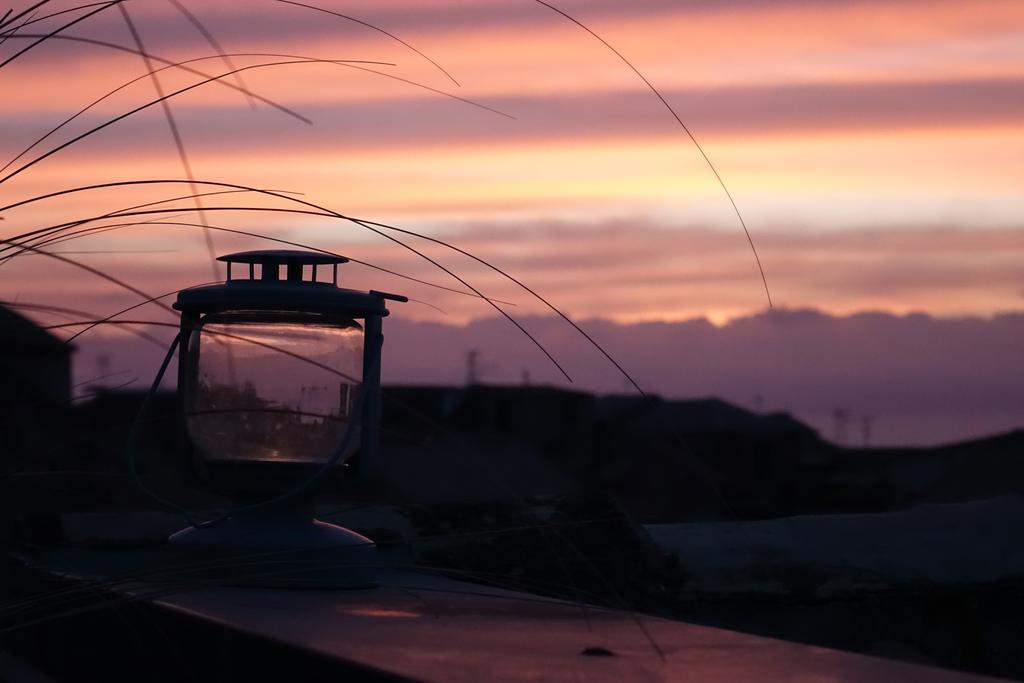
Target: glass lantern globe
280 367
274 386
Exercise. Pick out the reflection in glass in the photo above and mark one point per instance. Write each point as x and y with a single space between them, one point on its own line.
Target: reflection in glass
274 386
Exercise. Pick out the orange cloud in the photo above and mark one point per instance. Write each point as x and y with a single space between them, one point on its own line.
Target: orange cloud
823 118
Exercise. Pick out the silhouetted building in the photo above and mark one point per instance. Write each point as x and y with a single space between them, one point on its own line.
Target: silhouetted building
35 382
35 411
33 361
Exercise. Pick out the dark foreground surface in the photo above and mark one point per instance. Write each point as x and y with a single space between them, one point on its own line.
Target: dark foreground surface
719 578
411 627
969 628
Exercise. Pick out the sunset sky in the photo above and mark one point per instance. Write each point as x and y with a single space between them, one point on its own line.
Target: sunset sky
876 150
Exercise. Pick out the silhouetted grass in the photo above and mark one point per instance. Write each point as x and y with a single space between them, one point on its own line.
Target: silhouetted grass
133 586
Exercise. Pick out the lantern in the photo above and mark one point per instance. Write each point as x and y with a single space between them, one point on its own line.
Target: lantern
279 381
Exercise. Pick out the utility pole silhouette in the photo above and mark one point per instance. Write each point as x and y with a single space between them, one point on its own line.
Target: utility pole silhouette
866 424
472 367
839 420
526 378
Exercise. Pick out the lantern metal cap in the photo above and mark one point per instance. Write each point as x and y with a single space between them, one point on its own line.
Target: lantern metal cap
296 291
280 257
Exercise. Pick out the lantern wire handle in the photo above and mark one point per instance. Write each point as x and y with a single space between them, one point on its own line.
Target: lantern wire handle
131 451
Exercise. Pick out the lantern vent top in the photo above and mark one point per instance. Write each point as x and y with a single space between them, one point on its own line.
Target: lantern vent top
294 262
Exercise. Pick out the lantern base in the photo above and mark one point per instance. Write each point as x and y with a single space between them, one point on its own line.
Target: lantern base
277 551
